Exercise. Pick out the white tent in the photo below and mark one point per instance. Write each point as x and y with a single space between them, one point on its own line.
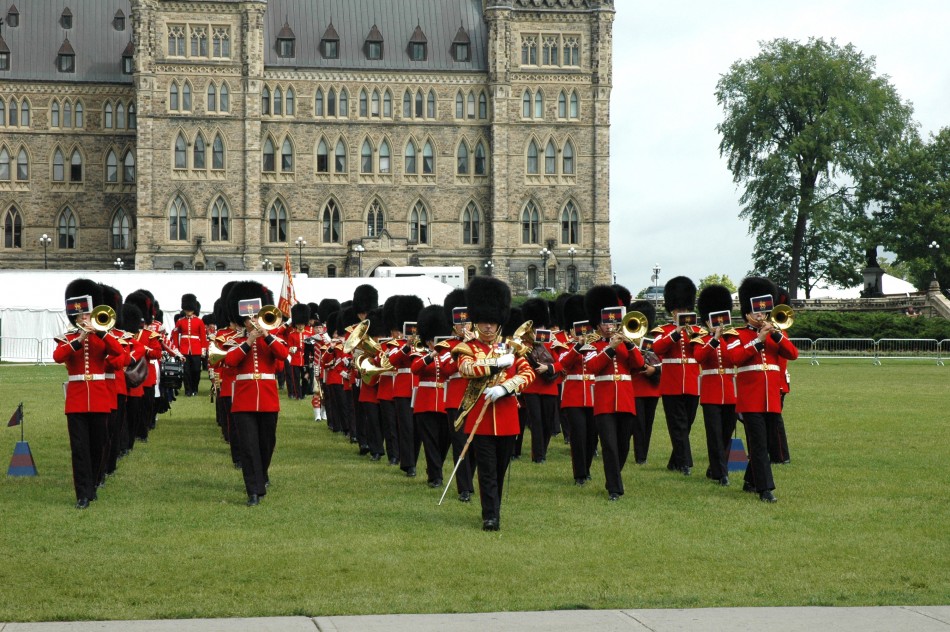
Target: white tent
889 285
32 303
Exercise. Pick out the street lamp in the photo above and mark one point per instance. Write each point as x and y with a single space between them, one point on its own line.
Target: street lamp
266 264
118 263
656 282
489 266
359 250
573 286
545 253
935 249
300 243
45 241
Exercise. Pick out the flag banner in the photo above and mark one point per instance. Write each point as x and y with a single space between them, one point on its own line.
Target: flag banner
288 298
17 417
737 456
612 315
248 308
409 329
460 316
542 335
720 319
79 305
686 319
582 328
762 304
22 463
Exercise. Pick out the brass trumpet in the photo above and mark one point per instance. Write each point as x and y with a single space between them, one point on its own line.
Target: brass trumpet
102 318
269 318
633 327
782 317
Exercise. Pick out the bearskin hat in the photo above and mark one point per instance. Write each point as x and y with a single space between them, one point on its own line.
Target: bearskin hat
189 303
220 314
623 294
328 306
242 291
407 309
752 287
679 293
300 314
144 301
314 311
515 320
208 320
346 317
536 310
433 322
113 298
331 323
488 300
83 287
781 296
132 318
557 312
647 309
455 298
572 311
377 324
596 299
713 298
365 298
389 313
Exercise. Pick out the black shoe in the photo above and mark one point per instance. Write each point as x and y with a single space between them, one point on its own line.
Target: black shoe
490 525
82 503
364 450
613 497
465 497
237 465
724 481
253 500
515 457
767 497
748 487
411 472
267 484
580 482
394 461
435 484
376 457
641 462
686 470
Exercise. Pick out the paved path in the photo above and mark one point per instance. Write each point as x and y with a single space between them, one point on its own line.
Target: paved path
877 619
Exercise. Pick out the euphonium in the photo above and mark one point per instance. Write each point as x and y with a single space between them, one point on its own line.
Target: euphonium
102 318
522 340
633 327
359 338
782 317
269 318
215 354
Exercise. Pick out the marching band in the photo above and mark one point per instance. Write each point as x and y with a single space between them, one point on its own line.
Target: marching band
468 374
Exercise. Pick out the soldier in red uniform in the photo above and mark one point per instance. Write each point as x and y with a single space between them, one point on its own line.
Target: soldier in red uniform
541 396
717 390
432 371
368 397
489 410
89 398
457 312
401 355
646 386
778 444
759 379
190 337
224 340
255 402
577 396
679 380
296 337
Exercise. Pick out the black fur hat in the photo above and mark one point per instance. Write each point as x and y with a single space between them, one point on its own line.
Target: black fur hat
488 300
346 317
713 298
113 298
132 319
572 311
83 287
208 320
242 291
752 287
377 324
647 309
314 311
557 314
781 296
389 313
679 293
596 299
623 294
144 301
407 309
365 298
220 314
515 320
433 322
189 303
300 314
455 298
328 306
536 310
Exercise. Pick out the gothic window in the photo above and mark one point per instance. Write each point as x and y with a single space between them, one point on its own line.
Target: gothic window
66 229
526 104
572 51
549 51
199 41
278 102
79 115
277 223
14 113
269 161
375 104
533 158
212 97
287 156
173 99
220 220
67 114
323 157
419 104
388 104
344 103
109 122
121 231
407 104
224 100
411 158
59 166
459 105
561 105
217 153
575 110
13 229
366 157
530 223
339 165
198 153
318 103
54 114
75 167
419 224
567 159
132 122
482 105
374 219
550 159
430 105
178 219
428 159
538 104
290 102
265 101
385 165
331 102
470 224
221 42
181 157
570 220
364 108
186 97
461 164
331 223
22 166
480 166
4 165
128 173
471 105
529 51
112 167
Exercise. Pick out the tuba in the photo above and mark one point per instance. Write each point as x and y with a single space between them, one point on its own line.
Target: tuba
102 318
633 327
782 317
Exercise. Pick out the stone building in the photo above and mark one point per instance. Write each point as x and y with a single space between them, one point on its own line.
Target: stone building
222 134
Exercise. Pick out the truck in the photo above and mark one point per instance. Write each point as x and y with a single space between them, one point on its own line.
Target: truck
451 275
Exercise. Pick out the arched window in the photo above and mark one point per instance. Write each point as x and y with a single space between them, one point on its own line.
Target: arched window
385 165
344 103
128 174
174 103
471 105
12 229
290 102
339 165
265 101
419 104
411 158
66 229
4 165
331 223
570 220
459 105
220 220
178 219
107 118
75 167
220 265
526 104
277 223
480 167
198 153
287 156
364 107
575 109
375 104
120 116
3 112
79 115
388 104
269 161
323 157
428 159
318 103
178 265
533 158
530 223
67 114
374 219
550 158
538 104
112 167
224 99
331 102
25 113
278 102
186 97
217 153
14 112
419 224
471 218
59 166
181 157
212 97
567 159
407 104
121 230
22 166
561 105
54 114
430 105
461 163
366 157
482 105
132 122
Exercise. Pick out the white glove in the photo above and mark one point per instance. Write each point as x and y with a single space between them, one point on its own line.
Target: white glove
495 393
293 349
505 361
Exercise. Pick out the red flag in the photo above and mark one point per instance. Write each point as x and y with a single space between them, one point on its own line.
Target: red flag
17 417
288 298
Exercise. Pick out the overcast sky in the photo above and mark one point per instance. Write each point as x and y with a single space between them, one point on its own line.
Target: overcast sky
673 201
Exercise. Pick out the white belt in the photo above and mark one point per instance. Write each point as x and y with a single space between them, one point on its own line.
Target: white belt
110 376
87 377
679 361
615 377
758 367
432 384
706 372
455 376
400 371
187 336
584 377
255 376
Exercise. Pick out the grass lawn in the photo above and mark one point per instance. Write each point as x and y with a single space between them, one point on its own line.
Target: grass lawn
862 519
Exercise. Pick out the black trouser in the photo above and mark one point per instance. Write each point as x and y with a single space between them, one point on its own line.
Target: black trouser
433 430
523 423
192 375
116 424
583 431
542 416
133 417
336 415
374 429
614 430
357 419
463 475
680 413
778 440
258 439
143 422
88 434
234 435
643 427
295 384
758 472
409 440
387 413
720 422
492 455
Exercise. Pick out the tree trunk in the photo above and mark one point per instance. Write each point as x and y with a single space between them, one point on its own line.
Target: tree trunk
805 201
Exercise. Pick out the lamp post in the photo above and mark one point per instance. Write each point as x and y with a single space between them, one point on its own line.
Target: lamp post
573 285
359 250
118 263
300 243
45 241
934 248
545 253
266 264
489 266
656 282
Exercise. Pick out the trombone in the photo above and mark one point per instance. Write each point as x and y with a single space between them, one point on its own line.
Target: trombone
102 318
782 317
268 319
633 327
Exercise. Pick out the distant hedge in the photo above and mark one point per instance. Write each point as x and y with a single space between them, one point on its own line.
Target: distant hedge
876 325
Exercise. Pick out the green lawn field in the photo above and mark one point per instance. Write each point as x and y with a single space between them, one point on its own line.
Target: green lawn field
862 519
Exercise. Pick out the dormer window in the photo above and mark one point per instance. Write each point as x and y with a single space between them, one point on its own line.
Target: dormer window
66 58
127 59
417 45
374 44
13 17
462 46
66 19
118 22
285 42
330 43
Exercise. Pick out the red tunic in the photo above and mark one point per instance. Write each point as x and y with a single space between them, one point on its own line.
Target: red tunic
226 373
578 391
190 336
613 385
402 362
643 385
500 418
717 372
87 390
456 383
680 374
432 376
759 379
255 384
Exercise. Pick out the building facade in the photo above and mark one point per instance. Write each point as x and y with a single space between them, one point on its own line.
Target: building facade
351 133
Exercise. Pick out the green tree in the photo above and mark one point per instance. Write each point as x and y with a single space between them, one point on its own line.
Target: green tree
804 123
717 279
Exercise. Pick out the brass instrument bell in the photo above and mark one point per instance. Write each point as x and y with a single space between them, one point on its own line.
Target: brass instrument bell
215 354
782 317
102 318
633 327
269 318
